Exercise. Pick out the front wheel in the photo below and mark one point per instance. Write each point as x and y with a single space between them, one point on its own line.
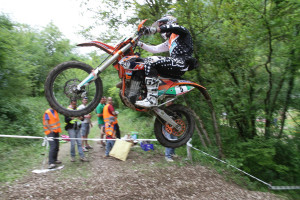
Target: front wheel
61 84
167 135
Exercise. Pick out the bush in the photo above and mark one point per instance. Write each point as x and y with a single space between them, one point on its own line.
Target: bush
22 117
287 154
271 160
134 121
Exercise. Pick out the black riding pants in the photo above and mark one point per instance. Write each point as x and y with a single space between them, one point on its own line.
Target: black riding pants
164 66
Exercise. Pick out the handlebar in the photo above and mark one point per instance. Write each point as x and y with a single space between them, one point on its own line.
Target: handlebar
141 24
93 75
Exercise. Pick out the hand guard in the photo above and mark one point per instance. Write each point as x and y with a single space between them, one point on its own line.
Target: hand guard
149 30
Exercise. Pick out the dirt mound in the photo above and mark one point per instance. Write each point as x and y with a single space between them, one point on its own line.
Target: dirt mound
145 175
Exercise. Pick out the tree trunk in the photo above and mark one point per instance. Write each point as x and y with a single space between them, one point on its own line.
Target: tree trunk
201 137
203 129
289 92
267 65
295 60
214 119
215 122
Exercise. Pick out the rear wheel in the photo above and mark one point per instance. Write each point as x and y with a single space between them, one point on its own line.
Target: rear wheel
167 135
61 84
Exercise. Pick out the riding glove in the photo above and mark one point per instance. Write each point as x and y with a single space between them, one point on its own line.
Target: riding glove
149 30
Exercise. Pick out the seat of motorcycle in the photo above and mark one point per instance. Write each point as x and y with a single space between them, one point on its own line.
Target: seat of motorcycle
169 76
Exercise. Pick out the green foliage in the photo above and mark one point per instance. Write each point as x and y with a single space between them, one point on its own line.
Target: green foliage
243 55
270 160
136 122
27 56
21 118
12 77
246 52
287 154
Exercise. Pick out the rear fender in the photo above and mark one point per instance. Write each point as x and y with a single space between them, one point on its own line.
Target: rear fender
173 87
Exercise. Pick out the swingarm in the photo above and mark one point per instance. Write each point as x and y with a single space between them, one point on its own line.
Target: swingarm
162 114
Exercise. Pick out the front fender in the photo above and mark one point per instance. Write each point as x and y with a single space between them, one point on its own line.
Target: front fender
105 47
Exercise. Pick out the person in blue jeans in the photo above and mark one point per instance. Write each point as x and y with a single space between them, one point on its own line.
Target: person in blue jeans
110 133
73 125
169 152
85 126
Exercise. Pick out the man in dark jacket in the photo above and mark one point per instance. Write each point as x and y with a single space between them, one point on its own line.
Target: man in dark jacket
73 127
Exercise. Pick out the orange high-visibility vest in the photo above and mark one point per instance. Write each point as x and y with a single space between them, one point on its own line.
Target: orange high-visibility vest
109 130
53 122
107 115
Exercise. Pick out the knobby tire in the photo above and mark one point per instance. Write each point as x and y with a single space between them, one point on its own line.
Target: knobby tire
49 93
159 124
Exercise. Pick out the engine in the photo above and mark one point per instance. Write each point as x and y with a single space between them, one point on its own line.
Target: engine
134 82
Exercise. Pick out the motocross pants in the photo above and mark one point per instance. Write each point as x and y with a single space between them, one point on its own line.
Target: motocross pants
164 66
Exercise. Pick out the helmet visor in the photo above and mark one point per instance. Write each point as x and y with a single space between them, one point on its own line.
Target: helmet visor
158 23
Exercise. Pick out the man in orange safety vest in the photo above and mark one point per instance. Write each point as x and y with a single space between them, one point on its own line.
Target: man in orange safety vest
52 129
109 111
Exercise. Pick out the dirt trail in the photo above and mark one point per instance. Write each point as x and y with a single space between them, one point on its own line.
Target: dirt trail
143 176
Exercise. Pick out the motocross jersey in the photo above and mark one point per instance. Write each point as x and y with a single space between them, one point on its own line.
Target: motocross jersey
180 42
179 45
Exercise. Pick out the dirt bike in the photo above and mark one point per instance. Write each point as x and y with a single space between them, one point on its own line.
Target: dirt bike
75 80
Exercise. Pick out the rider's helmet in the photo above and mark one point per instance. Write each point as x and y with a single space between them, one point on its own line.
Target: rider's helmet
168 20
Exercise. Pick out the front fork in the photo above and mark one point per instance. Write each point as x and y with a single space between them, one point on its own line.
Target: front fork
162 114
94 75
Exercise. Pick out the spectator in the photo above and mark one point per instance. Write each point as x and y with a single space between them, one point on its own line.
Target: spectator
110 133
73 128
99 112
85 126
169 152
109 111
52 129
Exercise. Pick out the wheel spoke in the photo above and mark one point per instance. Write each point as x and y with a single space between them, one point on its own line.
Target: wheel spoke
61 87
168 135
65 85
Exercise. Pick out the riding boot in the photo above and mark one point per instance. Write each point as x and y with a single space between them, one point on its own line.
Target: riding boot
152 93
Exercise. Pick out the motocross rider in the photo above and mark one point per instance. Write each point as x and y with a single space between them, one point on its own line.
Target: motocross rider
180 46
